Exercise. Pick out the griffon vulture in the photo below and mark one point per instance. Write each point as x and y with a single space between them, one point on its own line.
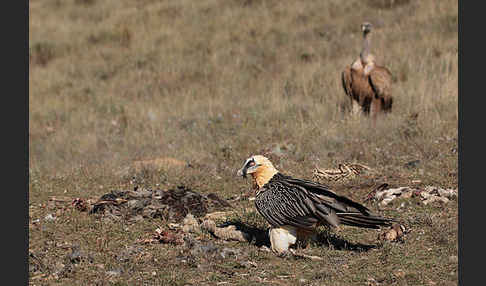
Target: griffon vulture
366 83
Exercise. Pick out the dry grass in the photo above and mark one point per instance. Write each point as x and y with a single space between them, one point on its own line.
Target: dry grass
212 82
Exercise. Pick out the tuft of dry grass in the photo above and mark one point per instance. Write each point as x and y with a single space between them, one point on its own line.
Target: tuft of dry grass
210 83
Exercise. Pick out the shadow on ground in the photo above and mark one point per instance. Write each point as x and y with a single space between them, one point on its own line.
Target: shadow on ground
326 239
259 237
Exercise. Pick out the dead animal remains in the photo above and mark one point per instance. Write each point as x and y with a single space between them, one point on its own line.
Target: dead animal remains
172 205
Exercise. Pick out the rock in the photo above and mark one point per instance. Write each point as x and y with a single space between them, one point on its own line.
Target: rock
228 252
453 259
412 164
248 264
199 249
114 272
50 217
77 255
399 273
208 250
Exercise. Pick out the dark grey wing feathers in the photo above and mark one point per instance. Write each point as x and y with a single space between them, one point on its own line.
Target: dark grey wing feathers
301 203
283 206
334 200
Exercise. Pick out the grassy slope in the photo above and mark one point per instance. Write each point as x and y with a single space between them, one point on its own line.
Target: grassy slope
212 82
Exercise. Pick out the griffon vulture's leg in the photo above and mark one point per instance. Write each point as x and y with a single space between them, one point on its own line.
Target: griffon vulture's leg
375 108
355 108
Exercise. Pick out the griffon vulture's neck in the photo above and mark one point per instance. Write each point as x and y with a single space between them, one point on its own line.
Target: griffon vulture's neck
365 51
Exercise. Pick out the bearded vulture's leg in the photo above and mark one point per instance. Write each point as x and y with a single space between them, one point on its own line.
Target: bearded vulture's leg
281 238
304 237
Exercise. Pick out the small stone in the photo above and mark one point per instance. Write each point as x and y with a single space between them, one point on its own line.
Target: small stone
228 252
399 273
115 272
453 259
412 164
249 264
49 217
